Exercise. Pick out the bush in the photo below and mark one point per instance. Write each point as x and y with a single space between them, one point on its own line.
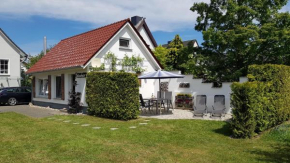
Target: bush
113 95
262 102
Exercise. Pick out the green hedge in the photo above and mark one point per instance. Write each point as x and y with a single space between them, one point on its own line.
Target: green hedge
113 95
261 103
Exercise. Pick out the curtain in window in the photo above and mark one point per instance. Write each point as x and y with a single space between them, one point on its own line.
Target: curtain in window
43 87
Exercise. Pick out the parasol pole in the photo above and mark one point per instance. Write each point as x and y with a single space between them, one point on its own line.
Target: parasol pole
159 89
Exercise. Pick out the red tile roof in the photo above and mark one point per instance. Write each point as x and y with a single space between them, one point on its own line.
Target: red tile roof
77 50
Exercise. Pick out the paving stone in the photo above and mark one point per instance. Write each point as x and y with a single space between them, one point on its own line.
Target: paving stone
114 128
133 127
146 120
59 119
143 123
96 128
84 125
66 121
76 123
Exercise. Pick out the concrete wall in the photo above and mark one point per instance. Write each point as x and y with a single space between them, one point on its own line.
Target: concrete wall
8 52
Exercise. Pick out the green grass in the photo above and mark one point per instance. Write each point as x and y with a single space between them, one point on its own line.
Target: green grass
25 139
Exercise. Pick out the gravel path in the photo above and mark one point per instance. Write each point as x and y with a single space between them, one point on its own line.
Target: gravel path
185 114
32 111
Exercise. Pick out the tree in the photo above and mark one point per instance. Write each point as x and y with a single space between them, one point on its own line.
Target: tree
237 34
26 79
172 56
160 53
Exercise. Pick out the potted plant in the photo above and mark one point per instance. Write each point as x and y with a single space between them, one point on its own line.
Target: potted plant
184 101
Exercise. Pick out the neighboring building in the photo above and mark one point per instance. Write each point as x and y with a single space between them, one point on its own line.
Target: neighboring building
11 58
55 73
185 43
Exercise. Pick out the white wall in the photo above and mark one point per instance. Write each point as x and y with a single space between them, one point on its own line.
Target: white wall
196 88
68 85
149 64
145 36
136 48
7 52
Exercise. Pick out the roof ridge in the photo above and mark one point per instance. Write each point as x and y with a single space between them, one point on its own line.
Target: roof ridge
96 29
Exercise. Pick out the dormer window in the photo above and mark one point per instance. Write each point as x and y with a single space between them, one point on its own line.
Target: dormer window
124 43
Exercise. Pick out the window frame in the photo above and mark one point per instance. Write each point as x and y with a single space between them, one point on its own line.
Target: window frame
55 87
125 47
38 93
8 72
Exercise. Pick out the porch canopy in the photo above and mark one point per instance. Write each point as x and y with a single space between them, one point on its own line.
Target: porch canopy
160 75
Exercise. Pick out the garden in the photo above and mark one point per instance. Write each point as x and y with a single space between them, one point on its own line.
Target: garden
71 139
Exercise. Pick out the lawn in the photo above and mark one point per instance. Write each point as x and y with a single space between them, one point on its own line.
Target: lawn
25 139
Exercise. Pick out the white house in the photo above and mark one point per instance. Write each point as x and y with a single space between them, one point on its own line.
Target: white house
54 74
11 57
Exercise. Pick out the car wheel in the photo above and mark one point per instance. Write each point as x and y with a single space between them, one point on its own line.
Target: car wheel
12 101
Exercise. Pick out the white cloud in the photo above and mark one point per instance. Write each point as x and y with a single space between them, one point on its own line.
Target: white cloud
161 15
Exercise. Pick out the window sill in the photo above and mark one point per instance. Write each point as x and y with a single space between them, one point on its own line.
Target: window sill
42 97
59 99
125 48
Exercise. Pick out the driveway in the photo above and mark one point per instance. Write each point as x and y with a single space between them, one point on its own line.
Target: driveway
27 110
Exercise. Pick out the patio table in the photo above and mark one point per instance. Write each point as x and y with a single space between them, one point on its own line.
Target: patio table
157 101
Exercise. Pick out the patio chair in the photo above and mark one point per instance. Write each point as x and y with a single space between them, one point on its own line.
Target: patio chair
168 97
219 108
144 104
200 109
162 96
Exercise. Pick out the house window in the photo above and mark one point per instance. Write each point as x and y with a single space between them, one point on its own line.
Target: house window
43 87
124 43
58 87
4 66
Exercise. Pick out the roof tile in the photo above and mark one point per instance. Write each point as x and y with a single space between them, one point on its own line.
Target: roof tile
77 50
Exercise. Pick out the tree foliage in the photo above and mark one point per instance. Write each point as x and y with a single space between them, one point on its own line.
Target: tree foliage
240 33
173 54
160 52
26 79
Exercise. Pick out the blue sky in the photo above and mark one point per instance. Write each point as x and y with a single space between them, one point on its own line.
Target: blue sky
28 34
26 22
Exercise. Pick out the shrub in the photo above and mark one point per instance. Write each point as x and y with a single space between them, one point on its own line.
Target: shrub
113 95
262 102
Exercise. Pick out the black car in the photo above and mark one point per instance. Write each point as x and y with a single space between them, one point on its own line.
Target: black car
15 95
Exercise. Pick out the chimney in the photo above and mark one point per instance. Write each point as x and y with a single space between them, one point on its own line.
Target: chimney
136 19
44 45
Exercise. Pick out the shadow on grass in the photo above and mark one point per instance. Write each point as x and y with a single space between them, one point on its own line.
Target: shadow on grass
279 153
225 130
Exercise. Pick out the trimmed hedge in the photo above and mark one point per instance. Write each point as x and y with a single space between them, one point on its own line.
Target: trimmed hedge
113 95
261 103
